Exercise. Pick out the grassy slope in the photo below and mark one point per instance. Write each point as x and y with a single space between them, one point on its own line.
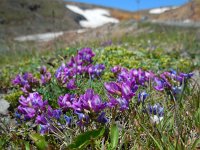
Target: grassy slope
159 45
184 41
30 17
158 49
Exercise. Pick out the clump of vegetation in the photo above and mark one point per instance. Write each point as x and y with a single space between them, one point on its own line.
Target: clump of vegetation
134 92
107 98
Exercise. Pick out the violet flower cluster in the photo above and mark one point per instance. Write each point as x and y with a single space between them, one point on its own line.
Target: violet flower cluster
128 82
45 76
172 82
86 106
164 82
26 81
51 120
169 81
33 107
122 91
78 65
89 107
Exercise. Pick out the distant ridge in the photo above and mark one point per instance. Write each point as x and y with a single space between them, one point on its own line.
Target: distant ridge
27 17
187 12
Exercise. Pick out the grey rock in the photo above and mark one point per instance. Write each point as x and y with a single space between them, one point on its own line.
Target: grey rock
4 105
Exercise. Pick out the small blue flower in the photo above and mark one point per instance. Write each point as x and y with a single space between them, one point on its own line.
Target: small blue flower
142 97
172 71
68 119
177 90
156 109
101 118
17 115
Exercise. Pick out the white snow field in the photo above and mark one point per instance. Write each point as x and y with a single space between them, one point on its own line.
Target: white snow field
160 10
39 37
94 17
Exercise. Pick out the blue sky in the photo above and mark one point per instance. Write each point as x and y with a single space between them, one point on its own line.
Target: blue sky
132 5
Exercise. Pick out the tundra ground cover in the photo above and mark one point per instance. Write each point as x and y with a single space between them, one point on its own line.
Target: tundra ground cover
124 93
90 101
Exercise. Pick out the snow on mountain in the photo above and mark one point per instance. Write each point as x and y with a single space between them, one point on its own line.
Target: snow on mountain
39 37
94 17
160 10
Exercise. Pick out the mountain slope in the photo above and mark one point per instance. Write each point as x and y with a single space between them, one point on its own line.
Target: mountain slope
116 13
29 17
189 11
24 17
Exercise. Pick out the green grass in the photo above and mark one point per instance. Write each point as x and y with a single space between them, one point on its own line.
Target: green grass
162 47
159 50
172 40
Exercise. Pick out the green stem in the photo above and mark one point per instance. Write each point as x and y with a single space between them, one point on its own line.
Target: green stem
113 115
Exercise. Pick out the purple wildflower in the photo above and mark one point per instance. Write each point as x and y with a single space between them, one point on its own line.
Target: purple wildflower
126 91
159 84
57 113
44 129
65 102
122 103
31 105
28 112
26 82
92 101
113 88
121 89
83 119
187 76
96 71
112 102
45 75
116 69
86 54
41 119
71 84
26 78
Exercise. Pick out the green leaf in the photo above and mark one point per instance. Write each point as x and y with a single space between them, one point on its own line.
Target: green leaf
39 140
84 139
156 142
114 136
196 142
27 145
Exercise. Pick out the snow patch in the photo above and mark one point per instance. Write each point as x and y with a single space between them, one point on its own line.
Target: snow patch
39 37
94 17
81 30
187 21
161 10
